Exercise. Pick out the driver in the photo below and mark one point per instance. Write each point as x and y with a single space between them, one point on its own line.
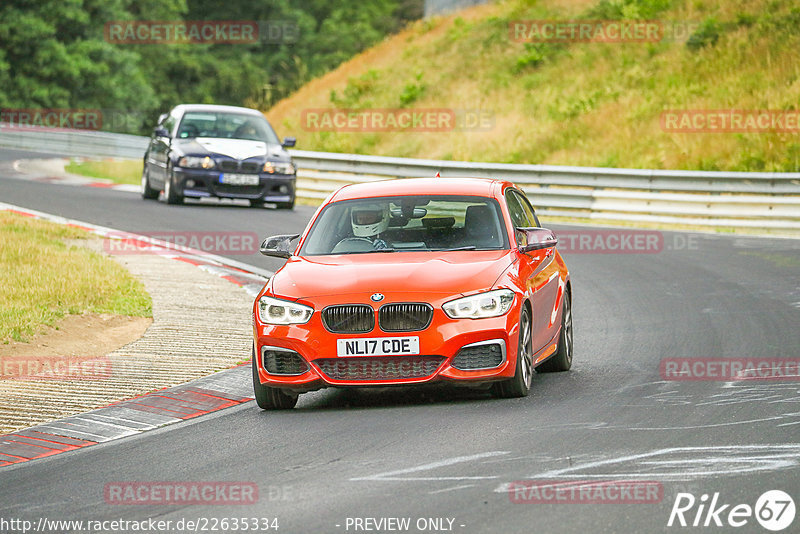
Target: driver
369 221
246 131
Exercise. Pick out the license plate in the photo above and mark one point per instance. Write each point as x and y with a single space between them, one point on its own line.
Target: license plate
239 179
378 346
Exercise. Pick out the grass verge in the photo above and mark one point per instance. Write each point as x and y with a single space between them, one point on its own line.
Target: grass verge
118 171
42 278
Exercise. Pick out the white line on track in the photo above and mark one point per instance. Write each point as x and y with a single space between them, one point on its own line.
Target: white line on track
393 475
704 462
454 488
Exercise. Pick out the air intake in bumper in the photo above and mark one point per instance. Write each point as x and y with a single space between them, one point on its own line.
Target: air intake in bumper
481 355
280 361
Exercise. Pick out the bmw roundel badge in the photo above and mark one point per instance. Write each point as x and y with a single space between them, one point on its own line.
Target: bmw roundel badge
376 297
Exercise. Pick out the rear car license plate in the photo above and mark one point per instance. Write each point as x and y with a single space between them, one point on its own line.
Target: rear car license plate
378 346
239 179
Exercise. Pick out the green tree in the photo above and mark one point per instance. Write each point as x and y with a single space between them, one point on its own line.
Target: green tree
54 53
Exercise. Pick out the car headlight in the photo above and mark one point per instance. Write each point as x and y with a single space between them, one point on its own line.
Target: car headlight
279 167
489 304
276 311
196 162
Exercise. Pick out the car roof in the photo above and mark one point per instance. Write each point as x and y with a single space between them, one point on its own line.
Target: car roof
483 187
217 108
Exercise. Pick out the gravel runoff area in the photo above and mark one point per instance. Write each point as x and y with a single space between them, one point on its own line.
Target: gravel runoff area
201 324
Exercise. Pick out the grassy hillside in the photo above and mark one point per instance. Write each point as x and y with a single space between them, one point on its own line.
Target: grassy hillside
596 104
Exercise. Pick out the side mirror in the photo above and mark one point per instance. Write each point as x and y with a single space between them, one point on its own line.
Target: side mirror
530 239
278 246
160 131
289 142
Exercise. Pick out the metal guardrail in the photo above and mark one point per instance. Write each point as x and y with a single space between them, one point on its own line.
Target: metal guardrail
757 200
86 143
754 200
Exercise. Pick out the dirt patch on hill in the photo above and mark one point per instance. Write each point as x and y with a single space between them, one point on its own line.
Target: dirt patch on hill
89 335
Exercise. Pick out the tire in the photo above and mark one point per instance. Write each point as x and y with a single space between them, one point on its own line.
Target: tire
285 205
520 384
269 398
562 359
170 194
148 193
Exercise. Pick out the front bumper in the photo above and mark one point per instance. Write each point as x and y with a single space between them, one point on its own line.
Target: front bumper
199 183
439 345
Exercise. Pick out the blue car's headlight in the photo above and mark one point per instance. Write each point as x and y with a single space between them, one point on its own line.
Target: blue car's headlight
489 304
279 167
196 162
276 311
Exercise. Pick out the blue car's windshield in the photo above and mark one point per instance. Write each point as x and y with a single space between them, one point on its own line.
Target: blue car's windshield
226 126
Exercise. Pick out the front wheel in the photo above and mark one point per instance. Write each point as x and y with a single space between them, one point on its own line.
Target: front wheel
269 398
147 191
562 359
520 384
170 193
285 205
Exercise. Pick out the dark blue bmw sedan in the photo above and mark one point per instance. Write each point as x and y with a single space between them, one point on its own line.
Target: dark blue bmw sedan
199 151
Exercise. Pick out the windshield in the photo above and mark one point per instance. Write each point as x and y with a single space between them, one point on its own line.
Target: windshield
408 223
226 126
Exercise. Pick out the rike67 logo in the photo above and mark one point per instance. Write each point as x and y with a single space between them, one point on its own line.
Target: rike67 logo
774 510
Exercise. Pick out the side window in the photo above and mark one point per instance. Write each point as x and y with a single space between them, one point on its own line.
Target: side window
529 213
515 208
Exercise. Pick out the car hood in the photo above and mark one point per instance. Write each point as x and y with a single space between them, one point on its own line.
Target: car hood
451 273
233 148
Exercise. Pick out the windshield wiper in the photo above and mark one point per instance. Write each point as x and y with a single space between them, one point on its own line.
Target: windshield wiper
369 251
469 247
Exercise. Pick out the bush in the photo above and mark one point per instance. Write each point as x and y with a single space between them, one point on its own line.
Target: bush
412 91
706 34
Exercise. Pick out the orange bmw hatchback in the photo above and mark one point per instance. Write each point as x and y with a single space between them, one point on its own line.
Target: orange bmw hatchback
411 281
